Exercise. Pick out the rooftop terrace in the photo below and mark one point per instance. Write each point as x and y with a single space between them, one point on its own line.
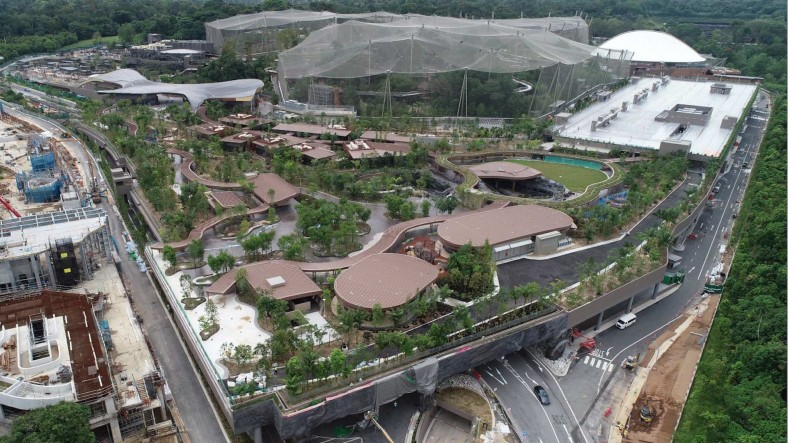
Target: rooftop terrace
637 126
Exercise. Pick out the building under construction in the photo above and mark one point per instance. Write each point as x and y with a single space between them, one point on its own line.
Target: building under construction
52 249
53 349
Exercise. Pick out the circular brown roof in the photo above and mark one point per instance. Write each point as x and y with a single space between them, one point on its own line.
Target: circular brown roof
389 280
504 170
502 225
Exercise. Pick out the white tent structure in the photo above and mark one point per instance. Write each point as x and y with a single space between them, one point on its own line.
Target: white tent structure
652 47
131 82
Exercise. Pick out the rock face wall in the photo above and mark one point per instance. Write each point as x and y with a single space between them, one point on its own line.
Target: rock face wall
422 377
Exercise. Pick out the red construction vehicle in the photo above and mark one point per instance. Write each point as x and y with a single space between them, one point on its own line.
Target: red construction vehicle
587 343
10 208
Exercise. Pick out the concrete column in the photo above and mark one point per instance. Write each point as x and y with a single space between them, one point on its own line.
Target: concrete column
162 401
52 275
115 429
426 401
654 294
85 267
599 320
629 304
258 435
36 271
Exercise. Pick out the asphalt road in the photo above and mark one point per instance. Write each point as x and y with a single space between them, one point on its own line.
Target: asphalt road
588 376
202 423
513 380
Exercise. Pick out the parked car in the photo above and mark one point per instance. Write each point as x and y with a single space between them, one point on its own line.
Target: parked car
541 394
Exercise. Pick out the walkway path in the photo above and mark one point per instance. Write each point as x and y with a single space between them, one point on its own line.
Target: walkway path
189 174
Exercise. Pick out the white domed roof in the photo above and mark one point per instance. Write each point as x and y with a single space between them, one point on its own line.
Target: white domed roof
654 47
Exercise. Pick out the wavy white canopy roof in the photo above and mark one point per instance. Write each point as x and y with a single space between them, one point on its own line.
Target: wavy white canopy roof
653 47
132 82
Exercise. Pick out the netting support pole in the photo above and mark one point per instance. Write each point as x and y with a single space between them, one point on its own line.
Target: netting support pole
463 95
387 95
410 71
369 63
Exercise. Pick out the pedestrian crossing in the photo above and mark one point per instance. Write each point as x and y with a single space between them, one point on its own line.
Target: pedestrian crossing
598 362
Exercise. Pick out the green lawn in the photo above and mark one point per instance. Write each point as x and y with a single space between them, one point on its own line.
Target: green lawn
92 42
576 178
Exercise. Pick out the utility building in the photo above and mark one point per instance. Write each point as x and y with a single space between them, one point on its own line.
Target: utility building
52 250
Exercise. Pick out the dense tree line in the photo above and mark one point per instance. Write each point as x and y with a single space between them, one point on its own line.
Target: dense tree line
739 393
64 421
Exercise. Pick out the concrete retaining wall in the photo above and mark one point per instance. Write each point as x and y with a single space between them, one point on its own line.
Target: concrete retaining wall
363 397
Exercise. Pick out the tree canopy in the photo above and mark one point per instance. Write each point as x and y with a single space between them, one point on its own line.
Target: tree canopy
740 385
62 422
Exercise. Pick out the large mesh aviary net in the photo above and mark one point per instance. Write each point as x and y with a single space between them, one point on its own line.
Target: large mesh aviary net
260 32
428 45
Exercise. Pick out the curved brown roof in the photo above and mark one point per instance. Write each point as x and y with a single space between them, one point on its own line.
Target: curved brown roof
283 190
389 280
502 225
283 279
505 171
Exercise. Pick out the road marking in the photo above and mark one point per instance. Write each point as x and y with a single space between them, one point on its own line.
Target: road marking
608 351
598 363
569 435
496 378
566 401
690 271
520 379
610 367
502 377
604 366
586 360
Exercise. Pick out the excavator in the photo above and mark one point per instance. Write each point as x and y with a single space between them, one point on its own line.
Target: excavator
95 195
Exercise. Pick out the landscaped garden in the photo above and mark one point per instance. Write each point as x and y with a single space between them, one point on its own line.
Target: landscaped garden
575 178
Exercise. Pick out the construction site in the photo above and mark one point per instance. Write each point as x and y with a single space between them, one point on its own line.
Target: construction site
68 326
652 407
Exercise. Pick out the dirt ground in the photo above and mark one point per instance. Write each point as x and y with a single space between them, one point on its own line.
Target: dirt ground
669 380
469 402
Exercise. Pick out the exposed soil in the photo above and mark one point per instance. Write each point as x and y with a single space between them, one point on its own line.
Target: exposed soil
668 383
469 402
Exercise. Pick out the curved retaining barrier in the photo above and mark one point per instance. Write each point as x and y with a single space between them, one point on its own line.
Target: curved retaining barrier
199 230
470 180
189 174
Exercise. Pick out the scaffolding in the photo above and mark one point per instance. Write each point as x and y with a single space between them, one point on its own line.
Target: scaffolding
40 187
320 94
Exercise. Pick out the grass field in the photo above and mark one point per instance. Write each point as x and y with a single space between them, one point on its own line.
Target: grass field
576 178
92 42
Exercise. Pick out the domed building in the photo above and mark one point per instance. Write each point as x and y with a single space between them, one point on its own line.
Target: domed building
656 52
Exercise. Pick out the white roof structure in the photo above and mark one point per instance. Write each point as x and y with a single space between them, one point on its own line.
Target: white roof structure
132 82
637 126
652 47
181 52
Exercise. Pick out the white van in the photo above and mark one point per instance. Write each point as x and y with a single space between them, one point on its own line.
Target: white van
626 321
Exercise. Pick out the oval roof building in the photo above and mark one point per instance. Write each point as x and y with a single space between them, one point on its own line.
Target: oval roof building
504 225
389 280
653 47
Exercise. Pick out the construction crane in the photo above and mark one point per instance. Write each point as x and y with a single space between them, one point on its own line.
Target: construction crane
10 208
95 195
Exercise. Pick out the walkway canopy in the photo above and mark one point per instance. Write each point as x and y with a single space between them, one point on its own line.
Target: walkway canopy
131 82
